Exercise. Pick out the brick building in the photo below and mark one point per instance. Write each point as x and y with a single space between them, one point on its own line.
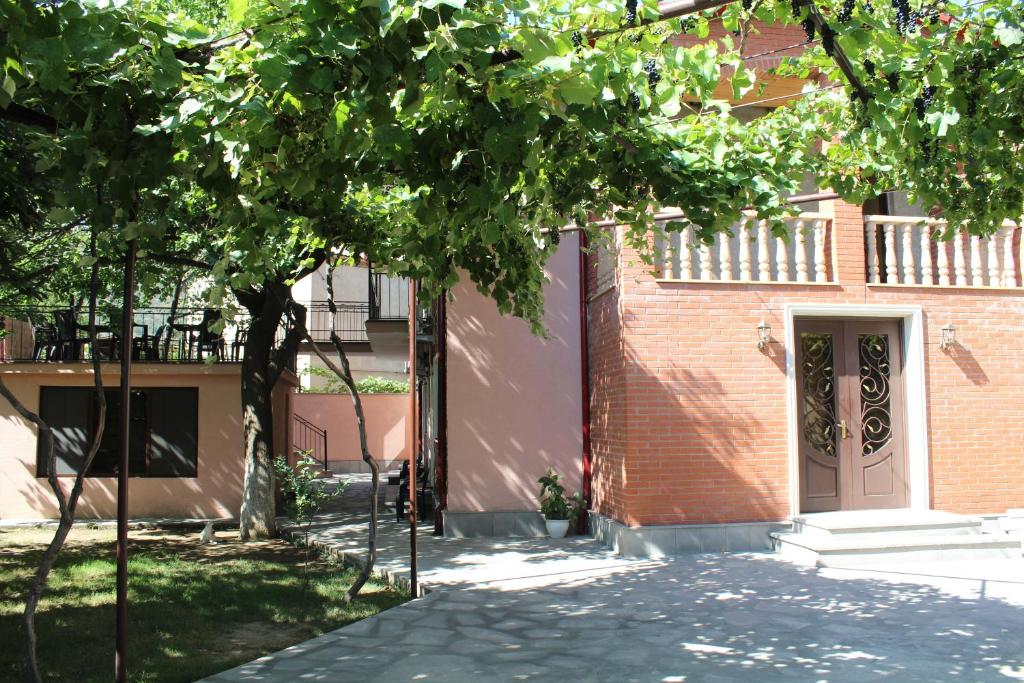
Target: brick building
859 363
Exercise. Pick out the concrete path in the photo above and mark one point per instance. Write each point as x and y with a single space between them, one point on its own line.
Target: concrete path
541 610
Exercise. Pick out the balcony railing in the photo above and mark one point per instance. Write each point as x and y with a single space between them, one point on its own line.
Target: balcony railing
912 251
750 253
350 323
389 297
165 335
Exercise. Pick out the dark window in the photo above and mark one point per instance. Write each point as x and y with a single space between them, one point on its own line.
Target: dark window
164 439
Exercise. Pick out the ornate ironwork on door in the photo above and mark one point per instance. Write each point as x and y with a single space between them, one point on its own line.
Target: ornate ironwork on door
819 395
875 392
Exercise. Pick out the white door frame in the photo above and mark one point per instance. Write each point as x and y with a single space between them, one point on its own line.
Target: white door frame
913 378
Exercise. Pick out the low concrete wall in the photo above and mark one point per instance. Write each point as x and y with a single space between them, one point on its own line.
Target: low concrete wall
385 427
494 524
681 539
214 493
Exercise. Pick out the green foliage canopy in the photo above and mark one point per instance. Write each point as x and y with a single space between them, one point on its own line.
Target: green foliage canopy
438 137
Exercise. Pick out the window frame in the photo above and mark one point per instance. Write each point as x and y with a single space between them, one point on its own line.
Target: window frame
92 410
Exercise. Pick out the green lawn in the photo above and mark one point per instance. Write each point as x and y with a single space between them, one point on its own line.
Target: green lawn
193 610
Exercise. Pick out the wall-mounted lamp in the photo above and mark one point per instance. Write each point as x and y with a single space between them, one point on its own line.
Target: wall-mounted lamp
764 335
948 337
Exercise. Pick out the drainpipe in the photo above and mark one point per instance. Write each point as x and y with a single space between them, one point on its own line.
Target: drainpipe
584 385
413 439
441 450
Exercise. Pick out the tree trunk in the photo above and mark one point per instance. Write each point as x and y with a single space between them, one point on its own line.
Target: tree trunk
257 518
262 366
66 503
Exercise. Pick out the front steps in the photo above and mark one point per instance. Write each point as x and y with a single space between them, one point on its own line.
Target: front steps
861 537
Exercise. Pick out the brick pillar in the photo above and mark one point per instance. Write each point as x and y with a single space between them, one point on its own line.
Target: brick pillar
848 242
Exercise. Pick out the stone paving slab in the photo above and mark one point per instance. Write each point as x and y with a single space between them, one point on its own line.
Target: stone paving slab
541 610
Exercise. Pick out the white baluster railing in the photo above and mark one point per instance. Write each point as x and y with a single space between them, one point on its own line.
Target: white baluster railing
908 250
749 252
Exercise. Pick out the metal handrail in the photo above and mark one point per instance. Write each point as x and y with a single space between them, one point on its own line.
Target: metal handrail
310 438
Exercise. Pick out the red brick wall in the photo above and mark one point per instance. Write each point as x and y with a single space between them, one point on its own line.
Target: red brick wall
690 418
608 395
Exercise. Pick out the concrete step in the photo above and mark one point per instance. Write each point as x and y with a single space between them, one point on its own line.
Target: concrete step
920 522
847 549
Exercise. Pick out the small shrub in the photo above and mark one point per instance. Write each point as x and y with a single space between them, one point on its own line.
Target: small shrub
304 494
369 385
553 502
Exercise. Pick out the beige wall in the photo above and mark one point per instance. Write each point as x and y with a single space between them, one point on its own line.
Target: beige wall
513 398
385 425
215 492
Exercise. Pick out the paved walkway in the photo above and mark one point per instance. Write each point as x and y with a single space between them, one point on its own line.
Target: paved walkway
542 610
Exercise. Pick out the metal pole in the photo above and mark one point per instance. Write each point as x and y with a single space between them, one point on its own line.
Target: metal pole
413 439
127 332
581 523
441 459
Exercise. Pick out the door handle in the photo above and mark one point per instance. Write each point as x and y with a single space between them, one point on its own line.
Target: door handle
844 433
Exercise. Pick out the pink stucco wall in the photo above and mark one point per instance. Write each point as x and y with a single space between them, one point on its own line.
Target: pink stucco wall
385 424
513 398
215 492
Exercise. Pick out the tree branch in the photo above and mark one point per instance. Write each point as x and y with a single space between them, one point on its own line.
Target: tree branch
295 314
344 373
176 260
16 113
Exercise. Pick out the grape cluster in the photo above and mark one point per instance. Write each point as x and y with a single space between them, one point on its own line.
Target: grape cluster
797 6
577 40
631 12
928 149
869 66
922 103
906 21
747 5
808 25
973 72
653 75
846 12
868 7
893 80
828 39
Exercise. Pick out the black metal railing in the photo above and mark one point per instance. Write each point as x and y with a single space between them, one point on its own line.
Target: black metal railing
159 334
389 297
350 323
308 438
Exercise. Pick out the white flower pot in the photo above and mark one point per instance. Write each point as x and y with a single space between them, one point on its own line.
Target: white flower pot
557 527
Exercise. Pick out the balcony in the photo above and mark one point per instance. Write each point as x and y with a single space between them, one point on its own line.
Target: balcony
350 323
387 327
917 252
159 335
750 253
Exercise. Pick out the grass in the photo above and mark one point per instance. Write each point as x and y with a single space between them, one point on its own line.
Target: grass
193 610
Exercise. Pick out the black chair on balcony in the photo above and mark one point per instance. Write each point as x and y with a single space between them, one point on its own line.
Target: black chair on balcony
238 345
198 338
147 347
69 344
45 337
208 341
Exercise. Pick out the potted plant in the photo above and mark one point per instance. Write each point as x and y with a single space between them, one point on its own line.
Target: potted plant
559 512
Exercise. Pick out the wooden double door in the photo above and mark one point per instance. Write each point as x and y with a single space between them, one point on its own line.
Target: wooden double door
850 415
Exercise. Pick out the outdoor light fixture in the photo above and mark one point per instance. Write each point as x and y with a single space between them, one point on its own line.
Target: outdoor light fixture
948 337
764 335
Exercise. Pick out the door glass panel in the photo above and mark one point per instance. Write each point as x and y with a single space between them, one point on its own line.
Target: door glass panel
819 395
875 411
